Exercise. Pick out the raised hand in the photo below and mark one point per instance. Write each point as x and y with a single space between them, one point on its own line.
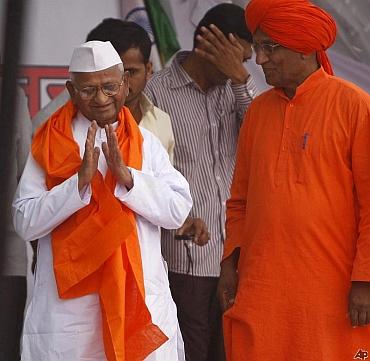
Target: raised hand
90 159
114 159
227 54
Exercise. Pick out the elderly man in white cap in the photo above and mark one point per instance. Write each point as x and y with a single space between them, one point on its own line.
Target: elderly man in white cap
101 289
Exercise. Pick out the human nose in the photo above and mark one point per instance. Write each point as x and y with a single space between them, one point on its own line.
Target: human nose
100 97
261 57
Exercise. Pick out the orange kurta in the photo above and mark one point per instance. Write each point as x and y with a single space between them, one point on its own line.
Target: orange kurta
300 212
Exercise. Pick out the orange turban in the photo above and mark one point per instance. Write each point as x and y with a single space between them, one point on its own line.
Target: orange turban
295 24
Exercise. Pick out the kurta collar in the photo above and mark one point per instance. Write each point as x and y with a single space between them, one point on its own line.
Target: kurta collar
311 82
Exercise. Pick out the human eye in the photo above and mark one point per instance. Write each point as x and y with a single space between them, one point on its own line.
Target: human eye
267 47
88 91
131 71
110 88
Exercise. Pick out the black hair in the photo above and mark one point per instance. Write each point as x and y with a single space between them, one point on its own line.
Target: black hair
229 18
123 35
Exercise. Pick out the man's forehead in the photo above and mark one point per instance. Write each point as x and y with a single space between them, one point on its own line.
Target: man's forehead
260 37
132 55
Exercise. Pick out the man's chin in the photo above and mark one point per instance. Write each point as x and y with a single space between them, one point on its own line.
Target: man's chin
103 122
271 81
269 77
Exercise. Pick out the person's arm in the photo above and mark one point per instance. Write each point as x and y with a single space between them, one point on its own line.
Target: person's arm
235 216
162 195
194 229
37 211
228 55
359 298
244 94
228 281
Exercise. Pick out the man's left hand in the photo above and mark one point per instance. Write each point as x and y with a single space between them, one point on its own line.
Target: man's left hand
114 159
359 303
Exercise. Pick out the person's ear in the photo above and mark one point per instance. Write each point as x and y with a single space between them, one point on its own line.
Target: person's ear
309 59
308 56
149 70
72 91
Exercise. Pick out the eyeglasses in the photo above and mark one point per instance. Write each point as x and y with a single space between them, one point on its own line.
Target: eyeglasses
266 48
109 90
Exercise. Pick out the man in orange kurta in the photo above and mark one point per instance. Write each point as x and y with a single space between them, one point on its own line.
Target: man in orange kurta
295 279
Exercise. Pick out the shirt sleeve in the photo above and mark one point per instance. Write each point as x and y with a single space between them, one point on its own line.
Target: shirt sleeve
361 177
236 206
37 211
161 195
244 94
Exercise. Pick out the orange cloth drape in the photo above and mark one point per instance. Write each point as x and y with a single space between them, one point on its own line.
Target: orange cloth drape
296 24
302 168
96 250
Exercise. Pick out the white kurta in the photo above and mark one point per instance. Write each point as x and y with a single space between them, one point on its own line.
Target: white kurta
70 330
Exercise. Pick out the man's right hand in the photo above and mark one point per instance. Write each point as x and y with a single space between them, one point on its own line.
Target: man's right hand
226 53
90 159
196 227
228 281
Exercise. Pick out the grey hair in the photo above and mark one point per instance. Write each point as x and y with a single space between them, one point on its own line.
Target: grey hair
121 67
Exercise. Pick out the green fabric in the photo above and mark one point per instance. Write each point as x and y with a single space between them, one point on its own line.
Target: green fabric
164 34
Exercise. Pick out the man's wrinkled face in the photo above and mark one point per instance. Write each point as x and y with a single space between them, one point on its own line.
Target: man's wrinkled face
100 107
282 67
138 71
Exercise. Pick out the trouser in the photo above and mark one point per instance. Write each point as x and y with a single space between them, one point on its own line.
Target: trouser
13 293
199 315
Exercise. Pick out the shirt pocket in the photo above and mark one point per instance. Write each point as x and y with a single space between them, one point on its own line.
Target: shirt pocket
313 151
302 147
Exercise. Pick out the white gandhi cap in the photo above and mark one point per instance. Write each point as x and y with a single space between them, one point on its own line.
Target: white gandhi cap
93 56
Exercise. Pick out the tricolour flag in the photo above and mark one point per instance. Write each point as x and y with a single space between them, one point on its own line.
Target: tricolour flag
151 16
164 34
